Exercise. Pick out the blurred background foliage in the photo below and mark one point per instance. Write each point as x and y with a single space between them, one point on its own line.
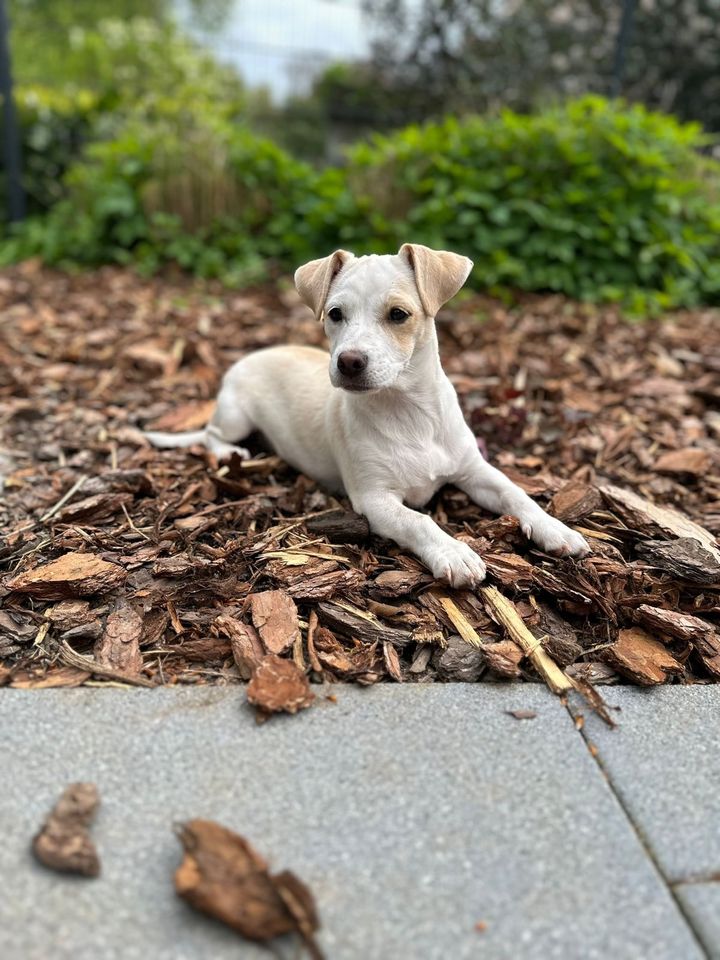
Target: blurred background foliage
483 126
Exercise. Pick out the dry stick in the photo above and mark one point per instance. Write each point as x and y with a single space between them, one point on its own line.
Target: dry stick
64 499
460 621
504 612
74 659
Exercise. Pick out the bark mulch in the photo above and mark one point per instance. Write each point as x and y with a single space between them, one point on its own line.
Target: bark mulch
123 564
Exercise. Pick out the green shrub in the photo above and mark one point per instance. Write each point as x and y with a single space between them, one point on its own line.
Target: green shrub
197 191
116 70
53 128
596 199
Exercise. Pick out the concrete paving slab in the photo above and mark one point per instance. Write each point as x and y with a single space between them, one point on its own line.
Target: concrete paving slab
701 902
664 763
412 812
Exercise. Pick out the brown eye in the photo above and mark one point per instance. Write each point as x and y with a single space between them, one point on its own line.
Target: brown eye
335 314
397 315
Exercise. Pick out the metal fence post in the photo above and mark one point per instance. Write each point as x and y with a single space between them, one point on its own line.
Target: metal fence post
11 134
621 45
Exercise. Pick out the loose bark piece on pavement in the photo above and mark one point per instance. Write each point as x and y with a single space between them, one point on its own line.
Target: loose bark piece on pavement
224 876
278 686
64 843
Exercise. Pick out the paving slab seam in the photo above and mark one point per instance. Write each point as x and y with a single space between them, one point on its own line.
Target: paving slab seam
669 885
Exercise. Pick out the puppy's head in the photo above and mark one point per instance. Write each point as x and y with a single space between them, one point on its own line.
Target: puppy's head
379 310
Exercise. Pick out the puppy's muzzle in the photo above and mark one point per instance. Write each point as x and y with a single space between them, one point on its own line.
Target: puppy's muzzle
352 363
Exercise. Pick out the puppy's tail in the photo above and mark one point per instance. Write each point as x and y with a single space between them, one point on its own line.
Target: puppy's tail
169 441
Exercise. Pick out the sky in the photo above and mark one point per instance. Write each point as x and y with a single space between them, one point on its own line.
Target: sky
280 43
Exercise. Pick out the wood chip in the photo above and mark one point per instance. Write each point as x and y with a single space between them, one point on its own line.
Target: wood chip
641 658
523 714
392 662
702 635
350 621
689 460
74 659
247 650
649 518
278 686
64 843
574 501
460 621
504 658
683 558
92 509
339 526
504 612
397 583
223 876
459 661
275 618
72 575
119 645
509 570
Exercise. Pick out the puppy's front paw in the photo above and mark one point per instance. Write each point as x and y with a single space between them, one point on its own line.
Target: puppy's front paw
457 564
552 536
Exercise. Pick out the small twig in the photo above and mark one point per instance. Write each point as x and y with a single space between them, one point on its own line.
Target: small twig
79 483
132 525
74 659
504 612
460 621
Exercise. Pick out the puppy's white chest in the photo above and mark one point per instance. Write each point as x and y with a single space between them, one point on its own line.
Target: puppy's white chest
423 472
419 495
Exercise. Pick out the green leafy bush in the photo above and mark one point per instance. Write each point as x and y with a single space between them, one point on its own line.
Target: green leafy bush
117 69
197 191
594 199
54 126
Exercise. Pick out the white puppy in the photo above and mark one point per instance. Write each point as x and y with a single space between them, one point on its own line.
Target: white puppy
383 425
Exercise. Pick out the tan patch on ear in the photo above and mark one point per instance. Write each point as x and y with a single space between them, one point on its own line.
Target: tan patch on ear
439 274
313 279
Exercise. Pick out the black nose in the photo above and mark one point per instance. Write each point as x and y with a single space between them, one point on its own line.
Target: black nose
351 363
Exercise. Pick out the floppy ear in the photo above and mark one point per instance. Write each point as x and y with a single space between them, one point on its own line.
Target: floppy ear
313 279
438 274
